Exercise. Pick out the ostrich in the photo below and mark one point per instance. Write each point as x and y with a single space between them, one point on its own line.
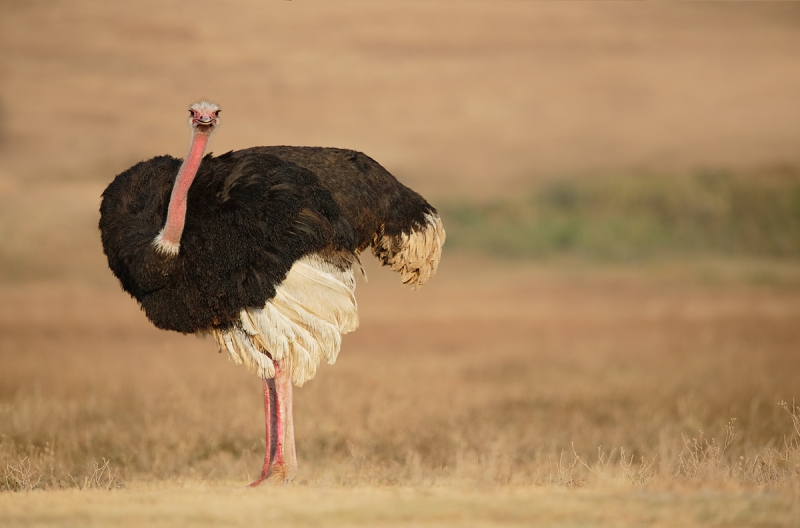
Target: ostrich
259 248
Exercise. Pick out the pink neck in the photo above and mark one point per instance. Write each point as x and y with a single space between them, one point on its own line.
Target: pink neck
176 213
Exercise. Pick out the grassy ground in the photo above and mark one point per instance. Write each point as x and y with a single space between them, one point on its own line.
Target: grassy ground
165 505
512 376
482 400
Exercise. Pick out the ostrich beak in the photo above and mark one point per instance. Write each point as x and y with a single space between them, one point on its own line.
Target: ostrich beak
204 122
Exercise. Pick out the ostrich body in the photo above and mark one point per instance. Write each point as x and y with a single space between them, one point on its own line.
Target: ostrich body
258 247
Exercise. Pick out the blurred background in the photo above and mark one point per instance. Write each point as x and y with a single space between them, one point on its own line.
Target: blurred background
620 184
612 130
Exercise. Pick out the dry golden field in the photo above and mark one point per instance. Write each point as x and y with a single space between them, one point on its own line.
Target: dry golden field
558 392
492 392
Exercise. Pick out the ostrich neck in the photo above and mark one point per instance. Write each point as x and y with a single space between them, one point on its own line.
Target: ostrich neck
170 237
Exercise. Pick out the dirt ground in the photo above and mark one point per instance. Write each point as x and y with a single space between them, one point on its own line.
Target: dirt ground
500 393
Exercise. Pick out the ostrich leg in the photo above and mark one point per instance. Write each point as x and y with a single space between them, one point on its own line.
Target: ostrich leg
280 458
270 419
285 461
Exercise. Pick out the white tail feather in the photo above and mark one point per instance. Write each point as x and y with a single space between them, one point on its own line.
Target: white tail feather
300 326
414 256
303 324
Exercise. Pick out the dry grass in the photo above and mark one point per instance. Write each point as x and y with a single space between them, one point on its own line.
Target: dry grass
476 398
529 378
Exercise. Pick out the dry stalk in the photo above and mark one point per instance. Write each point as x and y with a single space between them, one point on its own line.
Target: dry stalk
701 459
565 472
637 476
20 477
794 413
102 477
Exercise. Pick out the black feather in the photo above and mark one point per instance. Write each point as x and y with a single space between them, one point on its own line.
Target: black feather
249 218
250 215
370 198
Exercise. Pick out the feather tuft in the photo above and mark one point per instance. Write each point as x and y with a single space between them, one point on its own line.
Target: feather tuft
414 256
300 326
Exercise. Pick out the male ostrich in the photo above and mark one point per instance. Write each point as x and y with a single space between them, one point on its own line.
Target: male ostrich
258 248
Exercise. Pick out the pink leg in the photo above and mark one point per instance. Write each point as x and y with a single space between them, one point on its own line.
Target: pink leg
285 463
280 458
269 419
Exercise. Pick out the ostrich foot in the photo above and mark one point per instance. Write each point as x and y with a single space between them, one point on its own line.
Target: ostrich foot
280 458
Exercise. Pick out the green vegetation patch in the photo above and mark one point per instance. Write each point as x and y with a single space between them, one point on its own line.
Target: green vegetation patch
637 216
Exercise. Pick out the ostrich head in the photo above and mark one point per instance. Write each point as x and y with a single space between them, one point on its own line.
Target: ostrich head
203 117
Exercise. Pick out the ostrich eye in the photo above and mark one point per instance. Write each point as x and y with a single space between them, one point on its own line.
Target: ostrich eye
191 112
217 112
